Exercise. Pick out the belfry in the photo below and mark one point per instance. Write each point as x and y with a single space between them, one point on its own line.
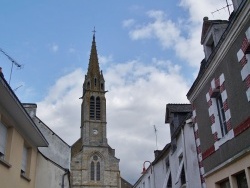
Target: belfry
93 161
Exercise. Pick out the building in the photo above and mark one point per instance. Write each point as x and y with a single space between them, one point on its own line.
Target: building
183 160
53 162
220 97
19 142
176 165
93 161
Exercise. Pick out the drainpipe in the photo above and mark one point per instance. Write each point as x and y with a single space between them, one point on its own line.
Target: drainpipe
66 172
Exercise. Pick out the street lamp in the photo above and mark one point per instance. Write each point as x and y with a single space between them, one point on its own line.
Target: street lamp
144 170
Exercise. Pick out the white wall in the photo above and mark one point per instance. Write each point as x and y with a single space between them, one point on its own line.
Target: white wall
49 175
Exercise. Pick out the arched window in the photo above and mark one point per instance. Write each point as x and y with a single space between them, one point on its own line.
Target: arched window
92 108
92 171
98 173
95 169
98 108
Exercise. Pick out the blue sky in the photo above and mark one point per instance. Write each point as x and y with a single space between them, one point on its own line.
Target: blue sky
149 52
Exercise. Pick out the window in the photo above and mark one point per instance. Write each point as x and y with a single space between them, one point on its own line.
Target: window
180 171
24 161
92 169
183 176
241 180
169 183
149 182
219 111
25 166
3 140
167 164
221 114
225 184
92 108
95 81
98 173
95 169
102 86
98 108
209 47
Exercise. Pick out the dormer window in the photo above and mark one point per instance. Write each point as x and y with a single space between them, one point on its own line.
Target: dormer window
95 81
212 30
209 46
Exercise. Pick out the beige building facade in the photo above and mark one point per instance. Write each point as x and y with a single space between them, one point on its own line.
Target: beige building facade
19 140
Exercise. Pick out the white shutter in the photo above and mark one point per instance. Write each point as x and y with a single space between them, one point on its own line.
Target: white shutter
24 159
179 171
3 138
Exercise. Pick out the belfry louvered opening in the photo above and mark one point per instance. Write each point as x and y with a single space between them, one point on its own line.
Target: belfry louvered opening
95 108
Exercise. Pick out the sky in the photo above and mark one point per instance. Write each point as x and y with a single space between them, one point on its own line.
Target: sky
149 52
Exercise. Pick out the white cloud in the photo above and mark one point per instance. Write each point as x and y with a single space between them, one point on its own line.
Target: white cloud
128 23
136 101
104 59
182 35
54 47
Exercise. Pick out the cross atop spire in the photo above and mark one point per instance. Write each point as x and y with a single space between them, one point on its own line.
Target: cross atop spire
94 31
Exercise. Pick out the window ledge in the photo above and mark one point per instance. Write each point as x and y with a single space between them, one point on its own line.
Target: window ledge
224 139
25 177
5 163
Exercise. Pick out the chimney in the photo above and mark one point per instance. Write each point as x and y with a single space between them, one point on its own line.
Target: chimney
157 152
30 108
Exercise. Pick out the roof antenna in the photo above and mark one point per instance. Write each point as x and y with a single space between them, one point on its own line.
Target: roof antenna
12 61
155 136
227 6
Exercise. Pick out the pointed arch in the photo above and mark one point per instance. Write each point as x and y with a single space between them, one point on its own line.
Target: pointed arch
95 167
98 171
92 171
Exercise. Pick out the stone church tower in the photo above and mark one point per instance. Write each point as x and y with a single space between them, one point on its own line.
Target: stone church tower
93 161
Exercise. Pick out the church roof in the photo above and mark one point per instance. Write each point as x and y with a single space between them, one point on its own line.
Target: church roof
93 68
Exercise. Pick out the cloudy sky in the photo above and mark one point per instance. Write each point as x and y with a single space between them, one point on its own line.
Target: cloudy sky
149 52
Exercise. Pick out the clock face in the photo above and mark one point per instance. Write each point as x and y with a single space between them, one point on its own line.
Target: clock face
95 131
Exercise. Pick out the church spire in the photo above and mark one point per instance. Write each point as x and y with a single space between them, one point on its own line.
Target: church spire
94 79
93 69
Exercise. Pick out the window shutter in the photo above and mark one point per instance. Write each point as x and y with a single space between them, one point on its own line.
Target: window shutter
24 159
3 138
179 171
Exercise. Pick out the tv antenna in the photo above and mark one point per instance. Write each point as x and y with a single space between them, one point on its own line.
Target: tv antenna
155 136
13 62
223 8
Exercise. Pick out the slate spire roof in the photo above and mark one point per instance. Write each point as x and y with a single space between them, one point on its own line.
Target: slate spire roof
93 69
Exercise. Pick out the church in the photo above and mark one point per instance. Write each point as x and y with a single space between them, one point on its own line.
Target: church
93 161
